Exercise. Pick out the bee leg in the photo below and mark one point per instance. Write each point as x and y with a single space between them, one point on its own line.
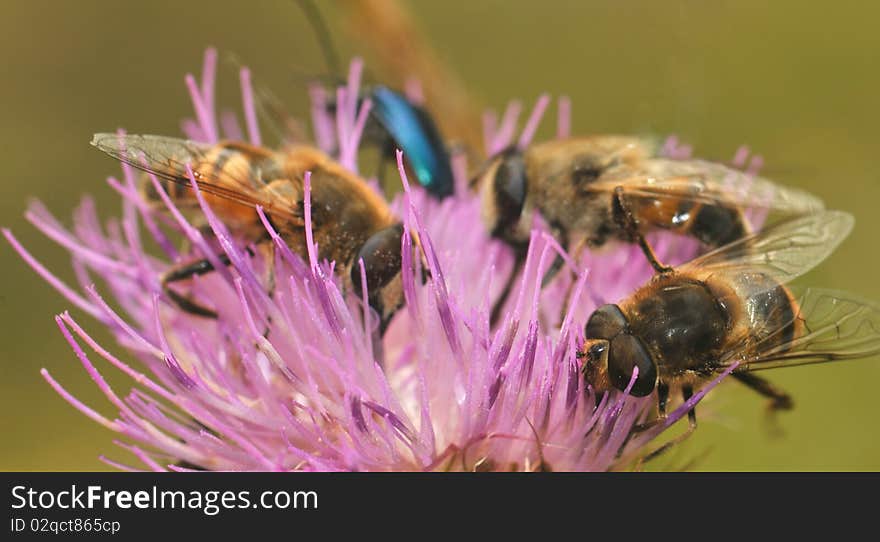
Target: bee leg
185 271
268 255
520 258
662 400
267 248
779 400
687 392
552 271
626 219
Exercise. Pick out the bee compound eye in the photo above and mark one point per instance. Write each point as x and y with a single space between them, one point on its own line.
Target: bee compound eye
509 191
628 352
381 256
606 322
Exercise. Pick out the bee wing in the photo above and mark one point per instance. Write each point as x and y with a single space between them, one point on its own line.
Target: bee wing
835 326
784 251
167 158
708 183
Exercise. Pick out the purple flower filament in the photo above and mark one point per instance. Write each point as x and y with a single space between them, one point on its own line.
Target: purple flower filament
291 379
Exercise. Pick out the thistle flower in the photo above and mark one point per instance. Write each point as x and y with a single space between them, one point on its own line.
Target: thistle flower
294 378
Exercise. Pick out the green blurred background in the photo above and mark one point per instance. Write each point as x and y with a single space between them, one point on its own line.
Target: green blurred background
798 82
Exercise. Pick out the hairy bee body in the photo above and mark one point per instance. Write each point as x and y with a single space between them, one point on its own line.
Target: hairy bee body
730 309
550 177
349 220
687 321
593 189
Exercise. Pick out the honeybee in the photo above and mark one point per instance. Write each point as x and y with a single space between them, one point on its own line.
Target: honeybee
593 189
730 308
349 220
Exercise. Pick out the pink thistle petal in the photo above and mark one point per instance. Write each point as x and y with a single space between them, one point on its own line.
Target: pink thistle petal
56 283
740 157
117 465
755 164
563 121
250 110
209 76
147 218
535 117
193 130
307 212
142 455
504 135
296 378
490 128
204 114
75 403
413 91
230 126
322 121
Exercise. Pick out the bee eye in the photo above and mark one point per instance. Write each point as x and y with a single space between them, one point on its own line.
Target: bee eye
627 352
586 175
381 256
605 323
509 191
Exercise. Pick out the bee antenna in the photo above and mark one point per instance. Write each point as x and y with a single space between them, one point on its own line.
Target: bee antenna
322 33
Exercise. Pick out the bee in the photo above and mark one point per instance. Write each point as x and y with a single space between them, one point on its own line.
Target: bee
730 308
598 188
593 189
350 222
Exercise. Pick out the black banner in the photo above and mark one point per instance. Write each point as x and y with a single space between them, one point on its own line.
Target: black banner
121 506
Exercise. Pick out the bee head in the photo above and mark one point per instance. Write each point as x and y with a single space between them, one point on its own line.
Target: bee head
595 355
611 353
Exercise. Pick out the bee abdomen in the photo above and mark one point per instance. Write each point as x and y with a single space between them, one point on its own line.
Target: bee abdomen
772 311
717 225
148 190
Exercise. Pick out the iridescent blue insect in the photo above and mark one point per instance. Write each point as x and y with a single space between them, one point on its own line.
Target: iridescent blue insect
395 122
410 128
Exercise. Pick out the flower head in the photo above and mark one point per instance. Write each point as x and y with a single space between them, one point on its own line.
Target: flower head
295 377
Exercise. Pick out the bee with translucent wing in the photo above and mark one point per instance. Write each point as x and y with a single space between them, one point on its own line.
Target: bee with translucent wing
350 221
727 309
593 189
